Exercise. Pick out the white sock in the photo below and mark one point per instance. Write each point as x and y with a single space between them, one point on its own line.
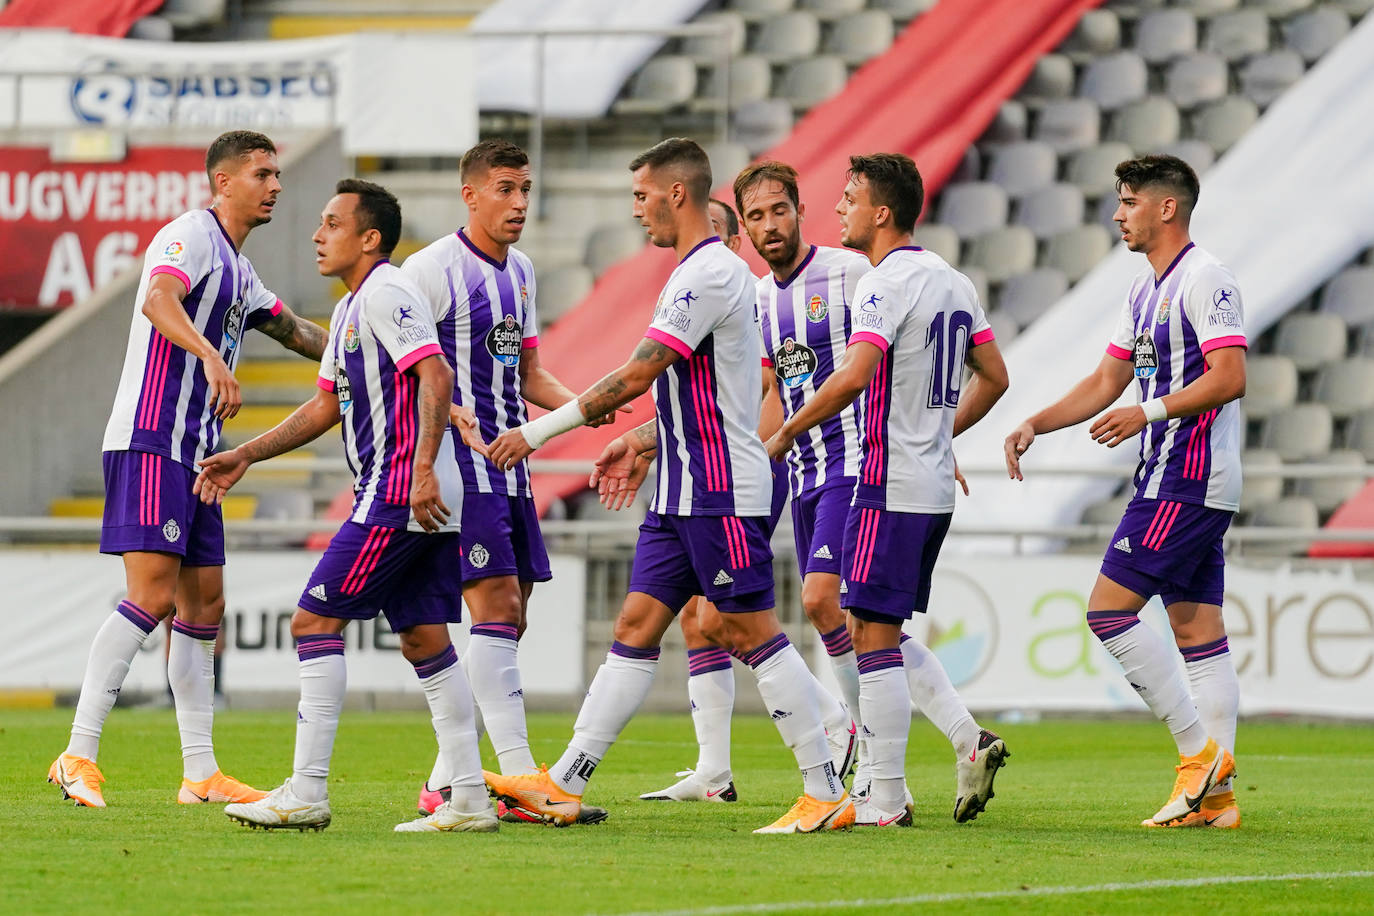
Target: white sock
1216 693
441 769
620 686
936 697
494 672
1149 665
112 651
324 679
886 703
711 692
450 708
790 695
191 672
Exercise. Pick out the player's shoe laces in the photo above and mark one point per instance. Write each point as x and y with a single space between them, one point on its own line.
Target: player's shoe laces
218 788
448 819
810 815
79 779
867 814
1196 776
844 748
975 774
537 794
1218 810
692 786
280 809
431 799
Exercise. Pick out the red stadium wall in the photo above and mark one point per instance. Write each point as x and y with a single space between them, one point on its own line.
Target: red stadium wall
930 96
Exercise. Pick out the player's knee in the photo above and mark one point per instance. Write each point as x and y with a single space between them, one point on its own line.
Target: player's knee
711 626
498 605
422 642
304 623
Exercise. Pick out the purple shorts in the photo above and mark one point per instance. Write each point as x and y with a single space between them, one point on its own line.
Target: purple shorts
889 558
725 558
149 506
1170 549
818 520
781 487
501 537
410 576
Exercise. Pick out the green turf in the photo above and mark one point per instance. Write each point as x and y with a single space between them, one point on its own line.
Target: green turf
1064 816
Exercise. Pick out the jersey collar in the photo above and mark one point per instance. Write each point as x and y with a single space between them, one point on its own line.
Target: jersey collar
499 265
224 232
1172 264
783 284
353 295
900 248
698 246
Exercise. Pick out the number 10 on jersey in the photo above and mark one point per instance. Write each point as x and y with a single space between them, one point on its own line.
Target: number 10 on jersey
949 335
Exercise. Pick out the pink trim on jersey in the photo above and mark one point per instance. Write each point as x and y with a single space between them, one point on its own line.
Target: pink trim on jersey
1216 343
712 440
1197 445
1161 524
150 489
154 382
414 356
983 337
739 542
668 340
276 308
403 420
176 272
869 337
1118 352
529 343
730 542
868 535
875 460
324 384
767 363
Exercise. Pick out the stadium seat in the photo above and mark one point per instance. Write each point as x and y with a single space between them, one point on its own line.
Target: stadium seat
1311 339
1146 125
750 80
1008 125
861 37
979 278
1107 512
1359 433
1206 8
809 82
587 507
1238 35
791 36
942 240
1003 326
1165 34
665 82
1265 77
1299 432
1097 32
192 14
1355 7
759 10
1196 78
1194 152
1350 294
1328 493
1289 512
1003 252
559 290
1051 209
973 207
1026 296
1347 387
1222 123
1103 213
612 243
708 48
1050 78
1271 385
1076 251
827 10
1259 488
1281 9
760 125
1314 33
1023 167
727 159
1068 124
152 28
1093 170
1114 80
970 167
903 11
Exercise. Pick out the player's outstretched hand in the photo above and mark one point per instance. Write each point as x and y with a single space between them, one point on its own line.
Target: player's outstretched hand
1116 426
464 419
509 449
425 502
1014 447
959 478
779 445
618 475
225 397
217 474
608 419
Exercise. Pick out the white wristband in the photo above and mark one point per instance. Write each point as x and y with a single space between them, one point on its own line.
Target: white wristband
1155 410
542 429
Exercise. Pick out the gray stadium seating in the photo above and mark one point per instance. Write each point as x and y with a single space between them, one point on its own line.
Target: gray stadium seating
1328 493
1050 78
1165 34
759 10
1314 33
1093 170
1279 9
979 278
664 82
1265 77
862 36
1347 387
903 11
1196 78
809 82
1114 80
1359 434
1023 167
1350 294
1259 489
1238 34
1271 385
1003 327
1206 8
1194 152
1003 251
560 289
791 36
1050 210
761 124
1067 124
942 240
750 80
973 208
1311 339
1146 125
1299 432
612 243
1289 512
827 10
1026 296
1097 32
1009 124
1076 251
1222 123
708 48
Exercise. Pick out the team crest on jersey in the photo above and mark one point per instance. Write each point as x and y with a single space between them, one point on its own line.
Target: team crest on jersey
817 309
479 556
1145 357
1162 314
524 296
351 340
171 531
794 363
174 252
504 340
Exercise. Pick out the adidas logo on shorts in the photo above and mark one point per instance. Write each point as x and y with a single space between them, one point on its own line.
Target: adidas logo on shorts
723 578
1124 545
823 553
318 593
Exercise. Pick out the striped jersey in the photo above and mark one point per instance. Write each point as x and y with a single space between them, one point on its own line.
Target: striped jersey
924 315
376 333
806 327
161 405
485 313
711 461
1167 327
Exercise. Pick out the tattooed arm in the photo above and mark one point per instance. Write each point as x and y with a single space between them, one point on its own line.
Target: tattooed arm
296 333
221 471
434 396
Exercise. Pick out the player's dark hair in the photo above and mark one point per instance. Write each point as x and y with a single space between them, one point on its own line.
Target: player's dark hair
767 170
731 220
492 153
377 209
1166 173
893 182
687 158
235 144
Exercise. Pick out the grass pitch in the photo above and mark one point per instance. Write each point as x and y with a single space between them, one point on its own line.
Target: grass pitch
1060 836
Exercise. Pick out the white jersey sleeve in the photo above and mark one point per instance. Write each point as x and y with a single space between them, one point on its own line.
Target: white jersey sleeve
327 378
260 301
402 324
1214 309
184 250
877 312
690 309
432 282
1122 343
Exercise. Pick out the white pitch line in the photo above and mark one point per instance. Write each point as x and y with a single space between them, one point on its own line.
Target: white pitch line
796 905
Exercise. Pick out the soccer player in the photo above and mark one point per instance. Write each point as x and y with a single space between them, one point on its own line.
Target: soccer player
706 533
916 324
197 297
1181 336
385 376
481 291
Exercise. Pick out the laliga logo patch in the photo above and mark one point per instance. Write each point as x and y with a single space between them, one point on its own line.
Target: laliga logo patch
171 531
174 252
351 341
479 556
816 309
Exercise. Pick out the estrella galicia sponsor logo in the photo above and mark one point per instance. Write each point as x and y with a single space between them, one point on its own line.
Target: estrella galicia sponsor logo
1224 312
233 327
794 363
504 340
1145 357
342 389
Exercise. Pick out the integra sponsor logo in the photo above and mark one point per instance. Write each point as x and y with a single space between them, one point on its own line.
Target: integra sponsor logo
504 340
794 363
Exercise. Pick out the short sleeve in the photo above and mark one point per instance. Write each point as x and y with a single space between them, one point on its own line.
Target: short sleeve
183 250
1212 304
876 313
853 273
432 282
1122 343
690 308
402 324
530 333
262 303
325 379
